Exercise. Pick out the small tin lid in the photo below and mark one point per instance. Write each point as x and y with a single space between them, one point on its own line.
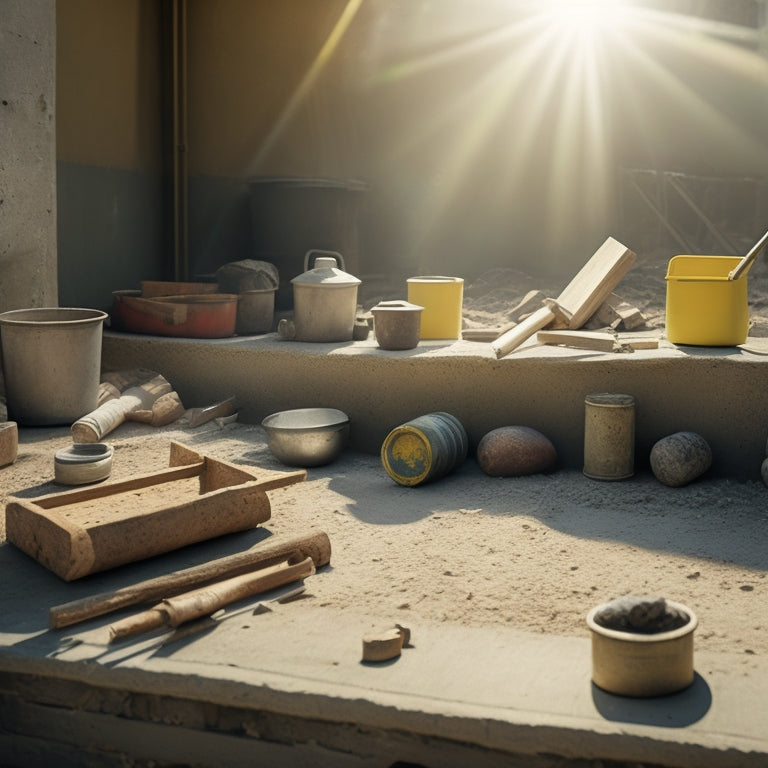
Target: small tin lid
610 399
396 306
407 455
326 272
83 463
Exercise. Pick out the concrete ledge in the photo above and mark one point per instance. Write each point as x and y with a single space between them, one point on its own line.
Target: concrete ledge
293 678
719 392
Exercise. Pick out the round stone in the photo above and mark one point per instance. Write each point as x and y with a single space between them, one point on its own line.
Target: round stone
764 471
679 459
515 451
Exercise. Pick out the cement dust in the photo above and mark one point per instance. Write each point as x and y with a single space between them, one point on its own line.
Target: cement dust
532 553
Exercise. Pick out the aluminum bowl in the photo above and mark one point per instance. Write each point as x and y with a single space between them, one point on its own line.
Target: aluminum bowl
307 437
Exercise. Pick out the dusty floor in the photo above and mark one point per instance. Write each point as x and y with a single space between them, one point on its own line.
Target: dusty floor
534 553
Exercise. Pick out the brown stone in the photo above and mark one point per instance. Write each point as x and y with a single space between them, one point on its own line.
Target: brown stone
515 451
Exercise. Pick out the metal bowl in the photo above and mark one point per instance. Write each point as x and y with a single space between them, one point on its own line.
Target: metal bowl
307 437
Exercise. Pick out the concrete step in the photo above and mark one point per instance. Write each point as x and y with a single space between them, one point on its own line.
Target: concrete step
720 393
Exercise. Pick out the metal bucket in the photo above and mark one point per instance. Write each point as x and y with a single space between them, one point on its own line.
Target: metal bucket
424 449
52 363
255 311
290 215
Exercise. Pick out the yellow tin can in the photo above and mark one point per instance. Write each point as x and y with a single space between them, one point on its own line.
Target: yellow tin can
442 299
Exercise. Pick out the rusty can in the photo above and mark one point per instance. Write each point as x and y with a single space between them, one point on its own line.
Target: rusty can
424 449
609 436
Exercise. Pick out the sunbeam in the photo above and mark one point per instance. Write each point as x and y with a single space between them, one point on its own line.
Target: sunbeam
298 97
576 88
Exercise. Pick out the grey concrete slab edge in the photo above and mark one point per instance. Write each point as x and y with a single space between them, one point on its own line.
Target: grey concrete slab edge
492 689
718 392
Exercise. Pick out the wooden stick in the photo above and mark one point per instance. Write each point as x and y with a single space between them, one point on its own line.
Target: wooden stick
174 611
591 340
316 546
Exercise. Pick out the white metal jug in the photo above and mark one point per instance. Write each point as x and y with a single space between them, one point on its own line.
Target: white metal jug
324 300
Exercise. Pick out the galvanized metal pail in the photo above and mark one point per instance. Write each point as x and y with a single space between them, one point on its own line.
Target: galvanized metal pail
52 363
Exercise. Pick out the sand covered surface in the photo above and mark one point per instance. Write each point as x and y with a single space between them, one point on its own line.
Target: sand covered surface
532 553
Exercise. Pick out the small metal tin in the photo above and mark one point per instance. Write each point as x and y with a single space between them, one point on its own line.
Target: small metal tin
609 436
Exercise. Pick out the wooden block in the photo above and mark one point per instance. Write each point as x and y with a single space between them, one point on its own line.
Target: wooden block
596 281
640 343
386 644
592 340
87 530
617 314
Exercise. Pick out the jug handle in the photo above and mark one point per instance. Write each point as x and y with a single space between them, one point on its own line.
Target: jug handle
336 254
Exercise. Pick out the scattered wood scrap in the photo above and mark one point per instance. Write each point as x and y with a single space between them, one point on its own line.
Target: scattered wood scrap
597 341
386 644
613 315
616 314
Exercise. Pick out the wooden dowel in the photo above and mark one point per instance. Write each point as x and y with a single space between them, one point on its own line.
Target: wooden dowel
316 546
198 603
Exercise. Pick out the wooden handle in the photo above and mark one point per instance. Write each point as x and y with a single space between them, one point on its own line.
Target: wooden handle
145 621
92 427
746 262
523 331
193 605
206 600
314 545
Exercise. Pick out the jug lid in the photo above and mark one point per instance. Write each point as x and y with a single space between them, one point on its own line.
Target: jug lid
325 272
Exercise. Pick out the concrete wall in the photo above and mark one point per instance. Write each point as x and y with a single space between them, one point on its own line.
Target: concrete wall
109 148
486 138
675 388
27 159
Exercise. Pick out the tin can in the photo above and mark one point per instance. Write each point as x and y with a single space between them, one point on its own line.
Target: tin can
424 449
609 436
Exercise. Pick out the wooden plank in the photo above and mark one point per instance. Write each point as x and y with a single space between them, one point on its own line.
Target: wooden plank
640 343
580 298
592 340
595 281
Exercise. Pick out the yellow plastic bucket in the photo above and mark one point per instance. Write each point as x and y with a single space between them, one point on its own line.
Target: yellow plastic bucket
705 308
442 299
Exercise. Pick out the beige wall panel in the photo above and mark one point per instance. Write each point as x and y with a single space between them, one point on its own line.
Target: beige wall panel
261 98
109 83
